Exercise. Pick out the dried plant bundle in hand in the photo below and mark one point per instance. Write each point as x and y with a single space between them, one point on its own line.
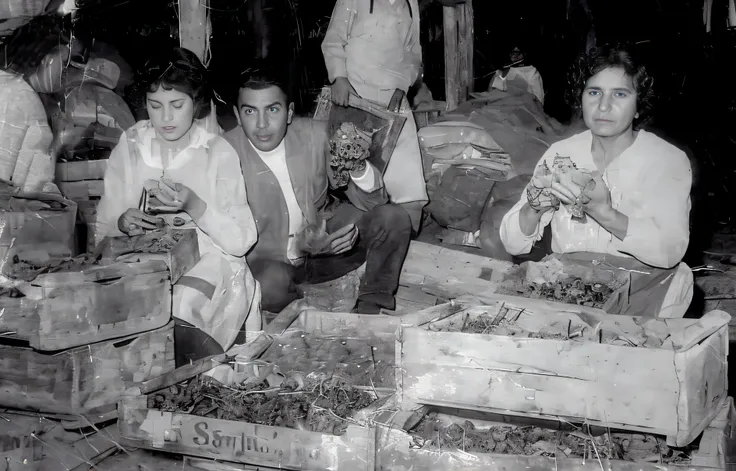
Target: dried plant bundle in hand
349 148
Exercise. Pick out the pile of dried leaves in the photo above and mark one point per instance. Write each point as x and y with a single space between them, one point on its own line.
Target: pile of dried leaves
569 291
319 405
431 433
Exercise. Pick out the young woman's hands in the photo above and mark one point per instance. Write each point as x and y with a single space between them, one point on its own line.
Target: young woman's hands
135 222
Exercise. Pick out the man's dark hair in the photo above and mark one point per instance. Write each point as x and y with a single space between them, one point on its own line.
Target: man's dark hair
181 70
263 76
598 59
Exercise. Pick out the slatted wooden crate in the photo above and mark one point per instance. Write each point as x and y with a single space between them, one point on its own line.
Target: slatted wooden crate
673 388
29 226
67 309
276 447
395 454
73 309
82 182
85 380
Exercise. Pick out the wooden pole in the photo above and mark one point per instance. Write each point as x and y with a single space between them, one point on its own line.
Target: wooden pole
452 78
469 43
193 26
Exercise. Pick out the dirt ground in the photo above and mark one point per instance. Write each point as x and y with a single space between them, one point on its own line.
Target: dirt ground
434 433
317 404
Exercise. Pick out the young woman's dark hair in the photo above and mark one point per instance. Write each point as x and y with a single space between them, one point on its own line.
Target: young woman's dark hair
605 57
181 70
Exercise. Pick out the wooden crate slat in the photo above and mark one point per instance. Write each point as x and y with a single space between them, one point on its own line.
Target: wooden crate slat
242 442
65 310
82 190
84 380
80 170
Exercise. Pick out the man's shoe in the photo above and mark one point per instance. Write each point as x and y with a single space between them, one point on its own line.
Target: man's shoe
363 307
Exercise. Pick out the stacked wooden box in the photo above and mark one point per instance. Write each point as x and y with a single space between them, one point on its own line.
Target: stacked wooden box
241 443
79 339
82 182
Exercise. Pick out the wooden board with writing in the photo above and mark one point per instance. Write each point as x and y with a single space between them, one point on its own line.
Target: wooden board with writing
242 442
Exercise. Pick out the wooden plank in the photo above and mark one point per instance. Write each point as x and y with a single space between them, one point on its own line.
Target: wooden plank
82 190
469 40
541 377
464 48
242 442
248 351
702 375
193 26
80 170
200 464
675 390
65 310
93 312
39 444
87 211
456 271
345 324
84 380
452 78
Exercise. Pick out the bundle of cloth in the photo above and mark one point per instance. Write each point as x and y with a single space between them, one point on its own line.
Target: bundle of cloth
82 89
461 163
472 197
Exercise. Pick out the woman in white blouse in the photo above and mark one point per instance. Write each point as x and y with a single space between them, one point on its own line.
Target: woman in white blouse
195 180
637 212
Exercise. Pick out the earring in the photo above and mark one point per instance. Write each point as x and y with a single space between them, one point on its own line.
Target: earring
636 116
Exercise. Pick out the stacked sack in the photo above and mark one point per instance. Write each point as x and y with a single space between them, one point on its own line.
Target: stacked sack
462 162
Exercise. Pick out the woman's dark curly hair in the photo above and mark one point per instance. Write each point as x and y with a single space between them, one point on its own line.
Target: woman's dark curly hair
598 59
181 70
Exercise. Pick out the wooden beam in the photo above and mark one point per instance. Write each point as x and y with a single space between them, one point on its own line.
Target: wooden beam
452 79
193 25
468 39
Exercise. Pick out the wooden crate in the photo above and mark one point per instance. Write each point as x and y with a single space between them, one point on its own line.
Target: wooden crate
277 447
449 273
371 339
82 190
242 442
394 454
65 310
182 257
33 443
675 389
85 380
36 227
80 170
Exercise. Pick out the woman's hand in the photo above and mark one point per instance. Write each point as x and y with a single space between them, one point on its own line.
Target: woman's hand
594 197
135 222
173 197
340 91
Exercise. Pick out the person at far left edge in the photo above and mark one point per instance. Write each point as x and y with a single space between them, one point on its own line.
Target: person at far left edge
305 234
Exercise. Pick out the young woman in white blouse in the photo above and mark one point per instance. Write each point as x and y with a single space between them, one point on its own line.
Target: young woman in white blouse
194 177
637 212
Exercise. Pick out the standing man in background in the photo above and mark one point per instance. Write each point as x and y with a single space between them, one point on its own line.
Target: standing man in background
372 50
